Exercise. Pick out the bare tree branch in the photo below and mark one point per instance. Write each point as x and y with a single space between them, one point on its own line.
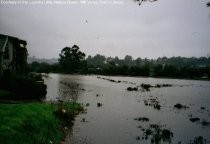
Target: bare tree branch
140 1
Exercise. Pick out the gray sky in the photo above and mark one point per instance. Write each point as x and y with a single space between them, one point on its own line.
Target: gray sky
164 28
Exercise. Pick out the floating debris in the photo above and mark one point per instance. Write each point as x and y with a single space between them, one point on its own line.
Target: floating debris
194 119
87 104
84 120
153 102
180 106
157 106
138 138
146 87
111 80
82 89
99 104
142 119
132 89
205 123
162 85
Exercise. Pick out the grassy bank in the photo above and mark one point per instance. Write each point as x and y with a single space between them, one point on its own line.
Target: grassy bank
34 123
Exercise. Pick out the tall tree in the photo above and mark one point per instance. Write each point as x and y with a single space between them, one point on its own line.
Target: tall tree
71 59
128 60
97 61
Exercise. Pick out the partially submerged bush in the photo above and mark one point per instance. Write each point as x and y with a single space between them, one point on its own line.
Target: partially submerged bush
180 106
162 85
99 104
146 87
205 123
157 134
142 119
132 89
194 119
153 102
199 140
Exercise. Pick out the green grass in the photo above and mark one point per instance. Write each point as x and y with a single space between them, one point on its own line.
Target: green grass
33 123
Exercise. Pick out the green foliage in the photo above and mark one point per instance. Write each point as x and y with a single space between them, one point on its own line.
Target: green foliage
97 60
44 67
174 67
71 59
32 123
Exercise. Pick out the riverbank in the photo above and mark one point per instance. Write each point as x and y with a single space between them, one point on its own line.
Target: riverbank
34 122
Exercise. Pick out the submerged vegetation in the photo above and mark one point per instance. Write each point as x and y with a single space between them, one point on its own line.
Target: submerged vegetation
198 140
152 102
157 134
142 119
180 106
132 89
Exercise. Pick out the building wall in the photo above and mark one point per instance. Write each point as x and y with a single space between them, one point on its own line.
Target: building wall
15 61
6 62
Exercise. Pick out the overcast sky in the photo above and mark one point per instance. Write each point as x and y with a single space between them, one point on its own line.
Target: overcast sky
163 28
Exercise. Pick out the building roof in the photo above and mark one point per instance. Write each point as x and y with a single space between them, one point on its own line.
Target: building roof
3 38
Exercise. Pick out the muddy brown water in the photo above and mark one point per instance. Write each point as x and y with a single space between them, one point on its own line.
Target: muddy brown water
113 122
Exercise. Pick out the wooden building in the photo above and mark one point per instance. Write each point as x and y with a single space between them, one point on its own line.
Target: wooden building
13 55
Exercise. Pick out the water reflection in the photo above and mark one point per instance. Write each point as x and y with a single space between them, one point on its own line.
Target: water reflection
61 87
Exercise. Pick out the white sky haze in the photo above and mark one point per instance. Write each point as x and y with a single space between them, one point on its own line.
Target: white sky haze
163 28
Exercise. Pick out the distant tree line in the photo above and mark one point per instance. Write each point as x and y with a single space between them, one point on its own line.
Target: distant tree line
178 67
72 60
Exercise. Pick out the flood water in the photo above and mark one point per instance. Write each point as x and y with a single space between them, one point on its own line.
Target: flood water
114 122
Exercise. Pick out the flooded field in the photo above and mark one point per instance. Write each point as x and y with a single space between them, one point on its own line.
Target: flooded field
152 110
